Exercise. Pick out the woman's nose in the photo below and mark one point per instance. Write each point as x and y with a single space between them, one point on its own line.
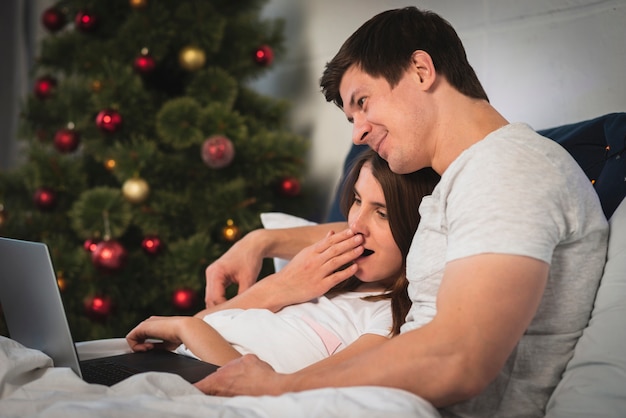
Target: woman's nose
358 225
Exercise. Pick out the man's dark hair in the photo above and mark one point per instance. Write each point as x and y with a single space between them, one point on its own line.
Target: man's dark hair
383 46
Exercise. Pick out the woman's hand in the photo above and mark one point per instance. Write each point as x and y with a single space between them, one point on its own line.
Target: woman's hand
316 269
167 329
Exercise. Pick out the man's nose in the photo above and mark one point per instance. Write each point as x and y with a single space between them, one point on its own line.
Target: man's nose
360 129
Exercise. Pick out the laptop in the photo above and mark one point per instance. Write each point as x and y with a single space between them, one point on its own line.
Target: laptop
35 317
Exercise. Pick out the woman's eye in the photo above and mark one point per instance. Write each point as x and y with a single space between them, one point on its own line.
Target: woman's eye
383 215
361 102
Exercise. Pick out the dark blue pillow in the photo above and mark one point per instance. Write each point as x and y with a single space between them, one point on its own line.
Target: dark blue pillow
598 145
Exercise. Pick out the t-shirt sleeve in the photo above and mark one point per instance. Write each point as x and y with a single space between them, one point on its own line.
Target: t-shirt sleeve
497 207
380 320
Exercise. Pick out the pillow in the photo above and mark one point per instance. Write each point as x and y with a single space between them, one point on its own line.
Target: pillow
278 220
594 382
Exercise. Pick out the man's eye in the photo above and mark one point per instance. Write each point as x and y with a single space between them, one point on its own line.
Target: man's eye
361 101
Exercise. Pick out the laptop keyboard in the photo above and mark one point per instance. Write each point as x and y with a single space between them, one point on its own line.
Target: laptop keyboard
106 372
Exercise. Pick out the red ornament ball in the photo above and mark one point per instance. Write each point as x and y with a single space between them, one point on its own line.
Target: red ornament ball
4 215
66 140
53 19
290 186
109 120
264 55
144 64
109 256
183 299
85 21
45 199
44 87
90 244
218 152
98 307
152 245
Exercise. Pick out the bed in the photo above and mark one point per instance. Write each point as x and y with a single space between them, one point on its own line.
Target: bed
594 383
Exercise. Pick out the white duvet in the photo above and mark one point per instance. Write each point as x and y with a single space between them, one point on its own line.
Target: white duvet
30 386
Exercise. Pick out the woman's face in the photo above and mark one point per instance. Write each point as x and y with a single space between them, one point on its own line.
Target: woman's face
382 259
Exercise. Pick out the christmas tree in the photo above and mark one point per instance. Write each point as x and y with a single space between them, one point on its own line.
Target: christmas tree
147 154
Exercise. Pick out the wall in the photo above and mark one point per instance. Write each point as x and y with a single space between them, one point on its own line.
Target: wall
544 62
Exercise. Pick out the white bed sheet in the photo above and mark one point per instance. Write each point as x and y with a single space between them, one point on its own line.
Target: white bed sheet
31 387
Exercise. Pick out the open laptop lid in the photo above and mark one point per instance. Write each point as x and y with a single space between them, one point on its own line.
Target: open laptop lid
31 301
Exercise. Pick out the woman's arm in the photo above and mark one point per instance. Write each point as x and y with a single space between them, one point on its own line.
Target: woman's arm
199 337
310 274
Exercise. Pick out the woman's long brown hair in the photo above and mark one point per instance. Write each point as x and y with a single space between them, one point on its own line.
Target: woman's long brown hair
403 194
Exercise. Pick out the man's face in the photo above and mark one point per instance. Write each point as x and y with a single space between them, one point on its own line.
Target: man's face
390 121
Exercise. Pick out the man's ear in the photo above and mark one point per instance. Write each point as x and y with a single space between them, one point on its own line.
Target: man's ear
424 69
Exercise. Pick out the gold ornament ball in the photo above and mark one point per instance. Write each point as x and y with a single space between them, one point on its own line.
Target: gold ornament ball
136 190
138 4
191 58
231 231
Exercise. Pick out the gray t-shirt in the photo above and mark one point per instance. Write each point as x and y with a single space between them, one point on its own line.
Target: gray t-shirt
515 192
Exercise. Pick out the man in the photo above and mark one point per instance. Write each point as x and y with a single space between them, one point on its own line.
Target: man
507 246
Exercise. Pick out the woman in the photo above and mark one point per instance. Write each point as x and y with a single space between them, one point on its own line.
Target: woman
352 316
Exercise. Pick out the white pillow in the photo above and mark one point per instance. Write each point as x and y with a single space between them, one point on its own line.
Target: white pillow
278 220
594 382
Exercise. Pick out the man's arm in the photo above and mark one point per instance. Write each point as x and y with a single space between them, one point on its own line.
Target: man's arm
311 273
241 264
484 305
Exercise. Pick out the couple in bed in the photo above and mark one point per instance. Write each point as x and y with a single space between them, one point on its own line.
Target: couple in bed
367 301
509 250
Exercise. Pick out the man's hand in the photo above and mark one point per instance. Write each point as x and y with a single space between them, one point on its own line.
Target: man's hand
246 375
240 265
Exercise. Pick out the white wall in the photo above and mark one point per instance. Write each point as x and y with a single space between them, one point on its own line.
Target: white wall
544 62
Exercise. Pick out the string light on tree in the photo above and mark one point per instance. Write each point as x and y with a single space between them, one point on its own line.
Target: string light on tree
45 86
183 299
264 56
110 164
45 198
96 86
53 19
138 4
61 281
136 190
217 152
85 21
231 232
152 245
66 139
109 120
191 58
